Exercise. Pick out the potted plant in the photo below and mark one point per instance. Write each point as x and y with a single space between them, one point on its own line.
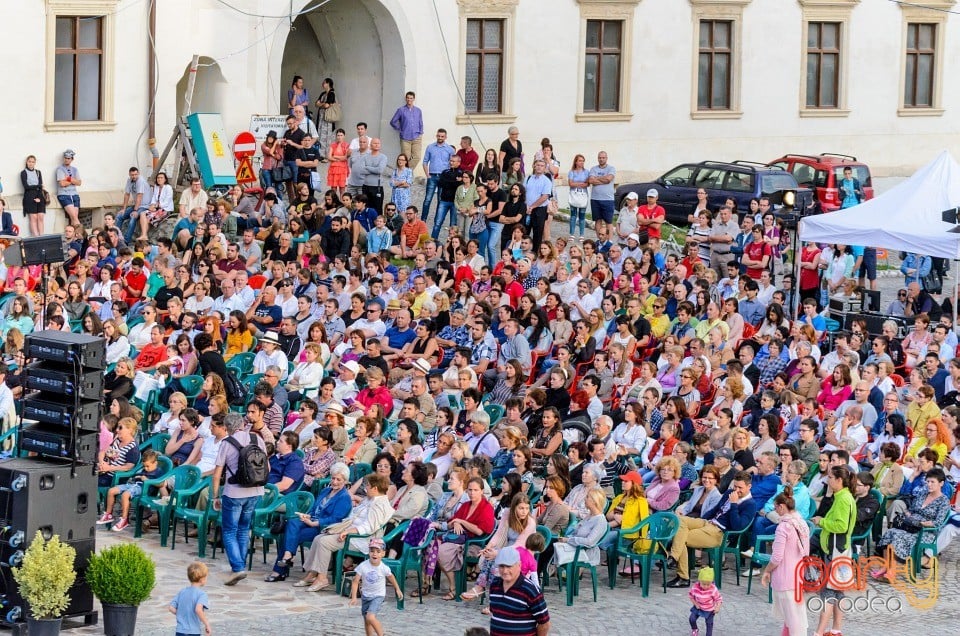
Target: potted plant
122 577
45 576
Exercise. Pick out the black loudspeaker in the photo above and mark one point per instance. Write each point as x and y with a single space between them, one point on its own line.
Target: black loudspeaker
41 250
67 348
54 499
60 416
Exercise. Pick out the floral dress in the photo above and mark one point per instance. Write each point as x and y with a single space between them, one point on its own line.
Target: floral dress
903 541
401 196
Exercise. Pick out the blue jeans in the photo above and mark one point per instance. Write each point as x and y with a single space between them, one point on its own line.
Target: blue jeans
482 239
237 515
578 217
696 614
443 208
266 179
761 526
129 214
609 540
494 230
432 182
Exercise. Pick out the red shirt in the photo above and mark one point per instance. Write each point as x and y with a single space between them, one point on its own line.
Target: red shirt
515 291
136 282
656 213
468 159
756 252
463 272
809 278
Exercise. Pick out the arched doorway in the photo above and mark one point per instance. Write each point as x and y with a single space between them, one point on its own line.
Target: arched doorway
357 43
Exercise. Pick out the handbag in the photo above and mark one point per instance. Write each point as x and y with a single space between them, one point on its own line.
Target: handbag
333 113
478 224
46 196
281 173
453 537
932 283
579 198
902 522
316 183
279 526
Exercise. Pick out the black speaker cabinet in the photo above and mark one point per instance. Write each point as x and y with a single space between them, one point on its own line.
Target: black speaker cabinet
40 495
67 348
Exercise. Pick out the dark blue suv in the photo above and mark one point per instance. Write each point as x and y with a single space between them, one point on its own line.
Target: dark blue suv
741 180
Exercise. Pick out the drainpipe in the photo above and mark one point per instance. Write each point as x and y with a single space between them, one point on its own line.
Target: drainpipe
152 88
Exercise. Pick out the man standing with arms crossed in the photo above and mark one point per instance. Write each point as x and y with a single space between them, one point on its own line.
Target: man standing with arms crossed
408 122
601 177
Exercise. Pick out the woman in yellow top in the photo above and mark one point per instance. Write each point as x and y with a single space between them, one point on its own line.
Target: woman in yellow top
239 338
626 511
659 321
922 409
935 436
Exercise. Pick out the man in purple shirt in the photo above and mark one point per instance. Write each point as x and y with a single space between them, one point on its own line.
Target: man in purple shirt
408 121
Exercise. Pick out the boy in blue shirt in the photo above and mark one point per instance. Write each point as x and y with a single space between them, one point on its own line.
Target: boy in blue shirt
190 603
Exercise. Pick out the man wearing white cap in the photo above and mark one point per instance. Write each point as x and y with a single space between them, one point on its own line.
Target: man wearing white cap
346 386
517 605
627 221
403 389
652 215
632 249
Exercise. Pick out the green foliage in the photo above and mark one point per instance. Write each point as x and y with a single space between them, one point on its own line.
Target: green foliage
46 575
122 575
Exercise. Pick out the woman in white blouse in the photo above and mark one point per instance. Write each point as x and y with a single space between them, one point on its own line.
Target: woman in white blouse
161 204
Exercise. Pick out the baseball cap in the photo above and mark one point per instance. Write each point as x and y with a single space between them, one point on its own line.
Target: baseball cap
632 476
653 193
726 453
352 365
635 237
377 544
507 556
633 195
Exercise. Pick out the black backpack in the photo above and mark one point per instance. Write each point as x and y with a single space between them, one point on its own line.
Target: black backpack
253 467
237 392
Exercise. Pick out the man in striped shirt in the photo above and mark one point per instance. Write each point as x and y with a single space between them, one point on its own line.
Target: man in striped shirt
517 607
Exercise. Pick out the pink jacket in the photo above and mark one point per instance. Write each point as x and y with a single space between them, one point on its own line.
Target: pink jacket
791 544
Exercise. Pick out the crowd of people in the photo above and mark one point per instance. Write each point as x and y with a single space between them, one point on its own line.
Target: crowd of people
329 325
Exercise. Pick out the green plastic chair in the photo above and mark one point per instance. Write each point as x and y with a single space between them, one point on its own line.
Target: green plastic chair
660 528
191 385
761 558
572 570
184 509
242 363
285 506
927 541
718 552
468 560
357 555
185 477
495 411
411 558
156 442
359 470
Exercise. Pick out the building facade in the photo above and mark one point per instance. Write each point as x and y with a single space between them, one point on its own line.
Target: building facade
653 82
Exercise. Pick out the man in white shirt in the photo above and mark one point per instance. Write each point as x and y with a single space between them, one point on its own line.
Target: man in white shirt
361 134
627 220
564 286
584 303
372 323
766 289
480 440
590 386
194 197
346 386
270 355
229 301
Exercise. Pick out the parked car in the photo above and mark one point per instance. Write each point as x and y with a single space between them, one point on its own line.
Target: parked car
823 173
740 180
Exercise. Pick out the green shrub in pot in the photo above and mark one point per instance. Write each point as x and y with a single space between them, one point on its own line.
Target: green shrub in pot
45 576
122 575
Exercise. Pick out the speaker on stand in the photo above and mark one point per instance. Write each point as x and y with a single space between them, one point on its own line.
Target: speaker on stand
54 489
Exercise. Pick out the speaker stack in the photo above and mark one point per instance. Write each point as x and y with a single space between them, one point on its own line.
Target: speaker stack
51 486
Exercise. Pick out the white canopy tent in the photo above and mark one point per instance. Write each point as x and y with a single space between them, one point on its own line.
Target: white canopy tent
909 217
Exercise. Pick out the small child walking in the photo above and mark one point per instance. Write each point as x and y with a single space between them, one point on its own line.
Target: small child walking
191 604
706 600
374 575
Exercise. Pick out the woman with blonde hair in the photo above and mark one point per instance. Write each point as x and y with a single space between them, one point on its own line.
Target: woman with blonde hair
664 490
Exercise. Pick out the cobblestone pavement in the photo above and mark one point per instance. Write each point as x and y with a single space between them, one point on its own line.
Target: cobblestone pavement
256 607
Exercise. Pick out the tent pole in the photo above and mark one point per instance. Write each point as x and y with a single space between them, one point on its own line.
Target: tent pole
956 293
797 247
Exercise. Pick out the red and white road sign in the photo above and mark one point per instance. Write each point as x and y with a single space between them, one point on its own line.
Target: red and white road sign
244 145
